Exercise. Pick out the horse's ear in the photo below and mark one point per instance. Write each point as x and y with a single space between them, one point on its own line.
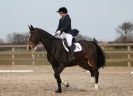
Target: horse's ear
31 28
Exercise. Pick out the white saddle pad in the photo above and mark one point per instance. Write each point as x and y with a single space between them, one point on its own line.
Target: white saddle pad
77 49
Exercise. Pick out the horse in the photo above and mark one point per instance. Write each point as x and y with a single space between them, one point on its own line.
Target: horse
91 58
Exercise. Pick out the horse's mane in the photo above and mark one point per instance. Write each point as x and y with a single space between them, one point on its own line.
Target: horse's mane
47 34
43 31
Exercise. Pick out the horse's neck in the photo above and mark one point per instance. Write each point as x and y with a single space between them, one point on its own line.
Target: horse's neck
47 40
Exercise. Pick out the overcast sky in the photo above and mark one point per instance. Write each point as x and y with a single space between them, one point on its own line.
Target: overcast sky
94 18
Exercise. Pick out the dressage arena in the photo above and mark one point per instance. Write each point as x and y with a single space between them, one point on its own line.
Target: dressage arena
24 73
113 81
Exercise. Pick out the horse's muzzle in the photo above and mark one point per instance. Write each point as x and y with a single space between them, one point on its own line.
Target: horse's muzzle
30 46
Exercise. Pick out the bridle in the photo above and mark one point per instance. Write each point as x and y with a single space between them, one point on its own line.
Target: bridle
42 41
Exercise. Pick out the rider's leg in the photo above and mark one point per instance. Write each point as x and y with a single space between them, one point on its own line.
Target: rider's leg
69 38
62 36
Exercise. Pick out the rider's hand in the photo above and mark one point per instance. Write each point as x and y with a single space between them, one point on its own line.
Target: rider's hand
57 33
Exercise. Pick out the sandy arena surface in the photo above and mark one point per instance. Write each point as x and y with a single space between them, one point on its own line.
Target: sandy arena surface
113 81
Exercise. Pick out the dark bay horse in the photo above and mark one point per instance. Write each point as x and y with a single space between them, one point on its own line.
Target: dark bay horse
91 57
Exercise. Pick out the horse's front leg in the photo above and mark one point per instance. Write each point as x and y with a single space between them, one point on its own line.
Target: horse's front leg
58 71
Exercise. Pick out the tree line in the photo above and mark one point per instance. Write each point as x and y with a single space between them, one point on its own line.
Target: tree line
22 38
125 31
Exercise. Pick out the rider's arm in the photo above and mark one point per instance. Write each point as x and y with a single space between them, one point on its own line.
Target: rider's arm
58 28
67 22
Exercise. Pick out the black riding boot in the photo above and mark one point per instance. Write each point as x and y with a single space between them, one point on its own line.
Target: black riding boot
71 51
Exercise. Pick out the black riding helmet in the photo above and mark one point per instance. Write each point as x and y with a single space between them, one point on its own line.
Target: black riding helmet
62 9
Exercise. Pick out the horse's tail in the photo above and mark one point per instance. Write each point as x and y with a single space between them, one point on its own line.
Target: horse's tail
101 59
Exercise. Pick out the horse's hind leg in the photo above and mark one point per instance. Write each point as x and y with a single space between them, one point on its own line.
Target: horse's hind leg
92 76
91 72
87 67
96 72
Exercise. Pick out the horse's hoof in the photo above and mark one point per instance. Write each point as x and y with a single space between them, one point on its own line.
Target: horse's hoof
96 87
92 79
67 84
58 91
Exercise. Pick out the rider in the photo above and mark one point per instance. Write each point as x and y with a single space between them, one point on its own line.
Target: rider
64 29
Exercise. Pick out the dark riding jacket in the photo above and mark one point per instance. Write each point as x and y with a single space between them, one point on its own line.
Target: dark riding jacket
65 24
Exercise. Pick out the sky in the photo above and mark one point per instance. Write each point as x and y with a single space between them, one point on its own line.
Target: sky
93 18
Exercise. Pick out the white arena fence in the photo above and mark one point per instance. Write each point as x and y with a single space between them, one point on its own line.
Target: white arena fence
18 54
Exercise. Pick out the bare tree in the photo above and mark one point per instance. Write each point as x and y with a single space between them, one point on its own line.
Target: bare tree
125 30
17 38
1 41
81 37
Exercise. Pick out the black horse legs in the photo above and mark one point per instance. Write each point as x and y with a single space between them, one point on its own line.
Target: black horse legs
57 76
96 72
58 71
96 76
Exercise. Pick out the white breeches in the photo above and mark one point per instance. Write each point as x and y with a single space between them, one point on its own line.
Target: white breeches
66 36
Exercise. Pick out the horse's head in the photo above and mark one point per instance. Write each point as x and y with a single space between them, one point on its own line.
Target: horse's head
34 38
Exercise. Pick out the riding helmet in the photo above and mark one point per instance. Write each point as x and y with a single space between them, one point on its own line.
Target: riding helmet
62 9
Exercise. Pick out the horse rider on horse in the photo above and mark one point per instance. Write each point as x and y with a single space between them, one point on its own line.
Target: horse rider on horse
64 29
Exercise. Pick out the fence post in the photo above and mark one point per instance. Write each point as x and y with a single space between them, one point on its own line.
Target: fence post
13 55
129 56
33 57
129 65
102 47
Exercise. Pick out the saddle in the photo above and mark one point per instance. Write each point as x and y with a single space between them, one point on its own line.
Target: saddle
75 45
